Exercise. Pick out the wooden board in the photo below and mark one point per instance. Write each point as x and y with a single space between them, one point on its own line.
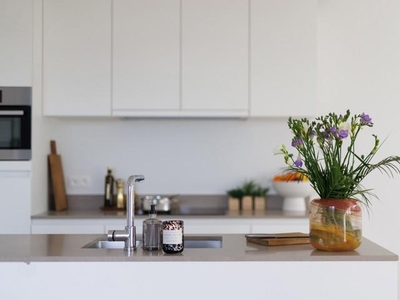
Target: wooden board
292 238
57 183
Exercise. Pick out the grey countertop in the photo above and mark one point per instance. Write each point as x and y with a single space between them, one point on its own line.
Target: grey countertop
68 248
190 206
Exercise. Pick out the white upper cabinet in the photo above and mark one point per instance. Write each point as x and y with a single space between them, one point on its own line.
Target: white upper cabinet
77 57
215 57
16 18
283 59
146 49
200 58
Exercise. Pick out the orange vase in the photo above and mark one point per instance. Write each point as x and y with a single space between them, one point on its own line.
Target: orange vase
335 224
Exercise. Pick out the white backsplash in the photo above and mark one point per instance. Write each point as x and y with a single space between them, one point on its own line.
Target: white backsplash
201 156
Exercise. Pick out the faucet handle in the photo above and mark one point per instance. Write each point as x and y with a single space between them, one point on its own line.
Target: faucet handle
135 178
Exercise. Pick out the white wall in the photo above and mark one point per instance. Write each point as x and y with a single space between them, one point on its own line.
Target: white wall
359 68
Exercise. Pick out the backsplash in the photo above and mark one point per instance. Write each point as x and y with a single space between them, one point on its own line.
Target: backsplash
220 202
200 156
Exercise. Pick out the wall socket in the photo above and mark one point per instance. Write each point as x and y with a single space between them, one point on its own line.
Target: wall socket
82 181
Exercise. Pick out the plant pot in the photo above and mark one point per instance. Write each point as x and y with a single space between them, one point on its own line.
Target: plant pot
335 224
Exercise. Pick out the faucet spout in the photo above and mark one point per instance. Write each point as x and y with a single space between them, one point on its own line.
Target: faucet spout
135 178
129 235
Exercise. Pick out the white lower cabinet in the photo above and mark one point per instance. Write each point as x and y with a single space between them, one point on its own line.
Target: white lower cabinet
192 225
281 226
15 200
216 226
67 229
67 226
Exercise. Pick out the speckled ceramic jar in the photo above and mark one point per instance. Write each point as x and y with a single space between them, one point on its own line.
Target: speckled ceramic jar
173 236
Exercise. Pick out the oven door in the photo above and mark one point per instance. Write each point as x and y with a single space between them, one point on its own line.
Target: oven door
15 132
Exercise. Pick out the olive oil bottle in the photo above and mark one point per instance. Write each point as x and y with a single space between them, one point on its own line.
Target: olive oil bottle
109 189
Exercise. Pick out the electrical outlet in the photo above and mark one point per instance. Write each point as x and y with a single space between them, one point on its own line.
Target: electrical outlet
82 181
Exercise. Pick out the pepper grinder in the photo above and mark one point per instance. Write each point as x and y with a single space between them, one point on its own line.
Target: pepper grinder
121 197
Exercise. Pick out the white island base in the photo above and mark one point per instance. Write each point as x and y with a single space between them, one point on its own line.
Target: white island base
200 280
56 267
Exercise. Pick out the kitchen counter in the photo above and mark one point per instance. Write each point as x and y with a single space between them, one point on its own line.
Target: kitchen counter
56 266
39 248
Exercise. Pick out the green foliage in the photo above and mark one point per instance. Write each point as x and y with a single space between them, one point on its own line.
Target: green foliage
326 154
248 188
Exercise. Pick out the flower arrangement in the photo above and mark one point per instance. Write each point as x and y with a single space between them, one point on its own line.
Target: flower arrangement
328 157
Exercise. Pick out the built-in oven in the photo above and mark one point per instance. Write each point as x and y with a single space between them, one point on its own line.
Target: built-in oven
15 123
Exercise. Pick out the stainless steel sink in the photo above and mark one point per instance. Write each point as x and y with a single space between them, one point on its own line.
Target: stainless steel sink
203 242
102 243
207 242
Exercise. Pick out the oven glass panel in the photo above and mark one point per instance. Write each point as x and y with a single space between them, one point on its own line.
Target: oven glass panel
11 132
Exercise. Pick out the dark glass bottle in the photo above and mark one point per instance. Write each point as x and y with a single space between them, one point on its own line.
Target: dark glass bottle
172 236
109 189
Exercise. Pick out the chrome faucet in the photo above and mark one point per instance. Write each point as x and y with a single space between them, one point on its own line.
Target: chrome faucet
129 234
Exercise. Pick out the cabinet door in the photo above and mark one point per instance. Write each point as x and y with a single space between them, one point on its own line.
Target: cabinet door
146 44
283 57
67 229
67 226
77 57
15 202
218 229
281 228
16 18
215 56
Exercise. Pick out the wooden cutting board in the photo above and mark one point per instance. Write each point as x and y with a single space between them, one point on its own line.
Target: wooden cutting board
278 239
57 183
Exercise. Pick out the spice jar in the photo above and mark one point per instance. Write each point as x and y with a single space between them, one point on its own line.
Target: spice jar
173 236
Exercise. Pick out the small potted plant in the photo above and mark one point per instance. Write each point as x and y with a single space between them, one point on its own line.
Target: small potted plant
326 153
248 196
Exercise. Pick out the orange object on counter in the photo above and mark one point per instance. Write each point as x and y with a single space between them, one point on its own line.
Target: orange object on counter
291 176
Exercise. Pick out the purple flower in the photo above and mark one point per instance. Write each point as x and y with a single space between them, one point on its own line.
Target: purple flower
297 142
333 130
365 119
326 134
298 163
343 134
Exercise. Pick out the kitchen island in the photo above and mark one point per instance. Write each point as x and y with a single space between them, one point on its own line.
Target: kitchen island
57 266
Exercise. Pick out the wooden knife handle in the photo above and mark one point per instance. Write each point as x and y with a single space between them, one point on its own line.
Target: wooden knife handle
53 147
